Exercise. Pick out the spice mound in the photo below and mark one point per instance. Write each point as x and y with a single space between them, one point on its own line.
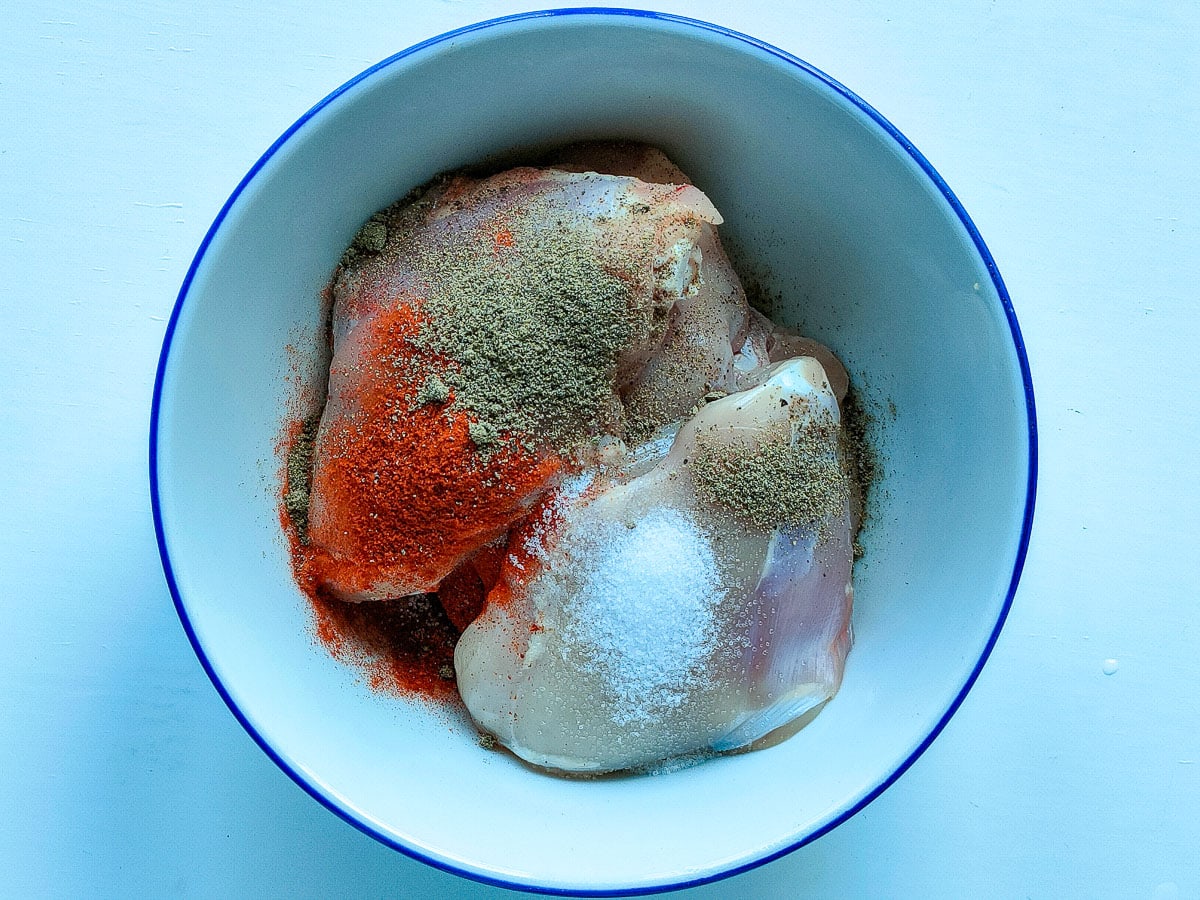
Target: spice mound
551 409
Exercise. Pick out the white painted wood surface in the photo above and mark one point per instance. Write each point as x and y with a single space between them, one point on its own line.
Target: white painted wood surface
1070 132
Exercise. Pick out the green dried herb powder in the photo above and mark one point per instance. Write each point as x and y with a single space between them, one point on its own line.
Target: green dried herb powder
777 483
534 343
433 391
299 476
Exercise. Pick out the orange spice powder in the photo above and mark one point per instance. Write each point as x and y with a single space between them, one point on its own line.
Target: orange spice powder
410 496
401 492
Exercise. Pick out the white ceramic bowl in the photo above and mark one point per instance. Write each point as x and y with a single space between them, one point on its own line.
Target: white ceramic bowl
829 206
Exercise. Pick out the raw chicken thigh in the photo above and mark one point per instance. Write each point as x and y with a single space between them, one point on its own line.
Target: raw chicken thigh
466 244
548 387
640 620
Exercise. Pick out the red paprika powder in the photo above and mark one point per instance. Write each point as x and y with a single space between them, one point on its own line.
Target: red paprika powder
402 496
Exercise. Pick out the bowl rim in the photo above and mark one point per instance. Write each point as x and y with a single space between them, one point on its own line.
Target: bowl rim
309 785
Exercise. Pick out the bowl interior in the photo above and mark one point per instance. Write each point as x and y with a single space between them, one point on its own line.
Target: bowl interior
826 209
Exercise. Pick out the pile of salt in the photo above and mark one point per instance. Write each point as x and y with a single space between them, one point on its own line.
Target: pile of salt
643 620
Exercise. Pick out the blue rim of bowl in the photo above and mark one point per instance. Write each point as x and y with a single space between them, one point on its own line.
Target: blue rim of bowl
1018 344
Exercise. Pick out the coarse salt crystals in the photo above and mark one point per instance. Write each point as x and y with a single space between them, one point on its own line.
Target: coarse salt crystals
644 618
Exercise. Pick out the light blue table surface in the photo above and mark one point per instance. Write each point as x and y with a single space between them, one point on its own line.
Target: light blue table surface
1071 132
